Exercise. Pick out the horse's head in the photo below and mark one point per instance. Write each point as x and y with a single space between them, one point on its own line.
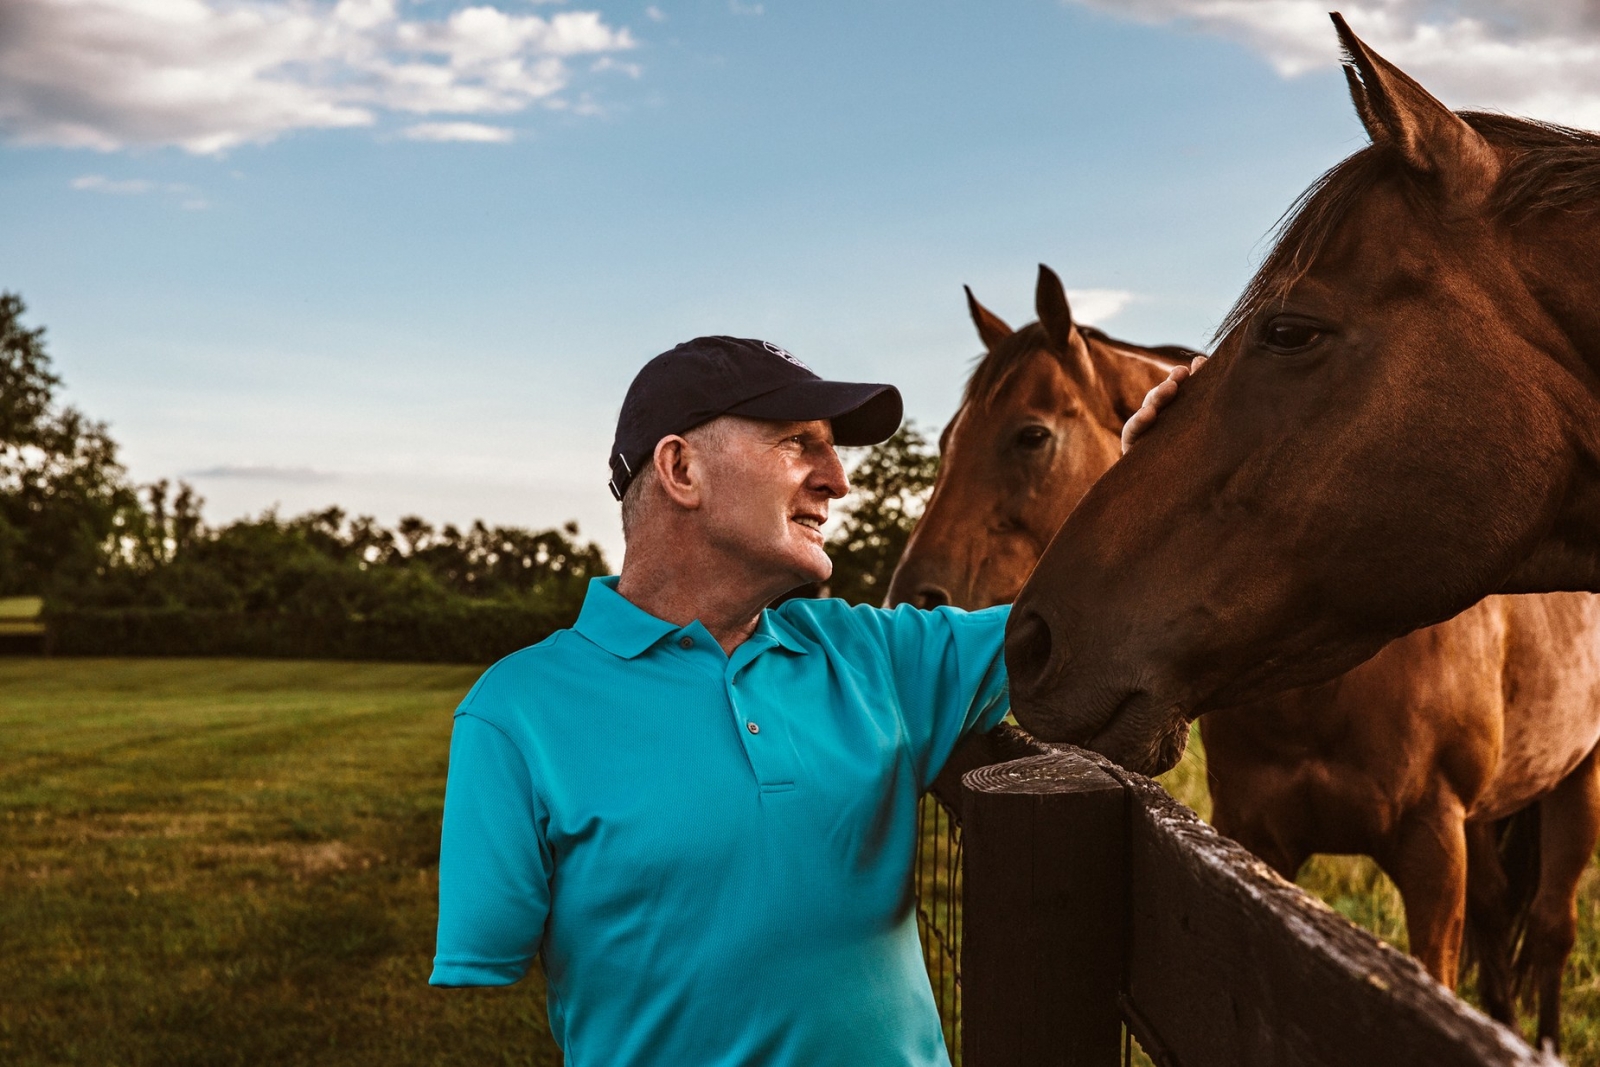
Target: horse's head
1039 422
1383 437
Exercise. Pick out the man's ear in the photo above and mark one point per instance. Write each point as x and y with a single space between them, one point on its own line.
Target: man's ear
677 472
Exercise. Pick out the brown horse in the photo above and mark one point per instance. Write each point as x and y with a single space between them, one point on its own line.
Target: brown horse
1417 757
1040 420
1403 415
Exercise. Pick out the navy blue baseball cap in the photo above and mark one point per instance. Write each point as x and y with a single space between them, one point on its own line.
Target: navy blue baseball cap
711 376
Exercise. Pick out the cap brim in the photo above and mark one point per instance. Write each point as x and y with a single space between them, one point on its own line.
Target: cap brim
862 413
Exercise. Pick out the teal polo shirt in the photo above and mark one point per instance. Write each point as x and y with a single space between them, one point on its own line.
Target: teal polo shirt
712 853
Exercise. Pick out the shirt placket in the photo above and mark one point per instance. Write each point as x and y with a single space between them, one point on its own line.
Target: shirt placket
762 730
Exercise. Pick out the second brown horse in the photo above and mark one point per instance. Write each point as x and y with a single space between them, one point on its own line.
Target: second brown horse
1419 757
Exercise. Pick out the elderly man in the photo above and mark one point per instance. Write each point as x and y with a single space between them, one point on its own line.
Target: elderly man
698 810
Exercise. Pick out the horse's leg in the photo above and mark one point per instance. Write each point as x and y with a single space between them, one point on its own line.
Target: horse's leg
1489 919
1428 862
1286 860
1258 838
1569 825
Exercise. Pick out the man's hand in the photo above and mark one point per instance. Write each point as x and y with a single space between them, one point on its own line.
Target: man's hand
1155 400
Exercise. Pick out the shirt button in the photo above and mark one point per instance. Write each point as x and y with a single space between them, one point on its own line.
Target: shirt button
752 727
686 642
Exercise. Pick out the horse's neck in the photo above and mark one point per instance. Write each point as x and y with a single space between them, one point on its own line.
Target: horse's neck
1556 257
1556 260
1127 373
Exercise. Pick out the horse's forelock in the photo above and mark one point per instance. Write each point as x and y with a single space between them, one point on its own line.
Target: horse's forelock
995 367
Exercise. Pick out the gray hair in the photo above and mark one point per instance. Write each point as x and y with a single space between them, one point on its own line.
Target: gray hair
635 499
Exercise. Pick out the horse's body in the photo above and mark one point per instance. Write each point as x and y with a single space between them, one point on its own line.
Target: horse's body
1416 757
1402 416
1419 757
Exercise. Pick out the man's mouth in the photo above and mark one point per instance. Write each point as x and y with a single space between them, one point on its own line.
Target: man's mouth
810 522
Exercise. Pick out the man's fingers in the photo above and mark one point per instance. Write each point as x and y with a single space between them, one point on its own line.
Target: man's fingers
1155 400
1133 428
1160 394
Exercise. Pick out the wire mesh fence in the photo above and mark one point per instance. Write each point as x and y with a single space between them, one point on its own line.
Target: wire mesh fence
937 885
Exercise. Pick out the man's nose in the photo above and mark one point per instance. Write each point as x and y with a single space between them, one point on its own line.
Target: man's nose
832 476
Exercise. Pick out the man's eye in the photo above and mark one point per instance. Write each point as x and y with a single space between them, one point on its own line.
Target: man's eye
1288 336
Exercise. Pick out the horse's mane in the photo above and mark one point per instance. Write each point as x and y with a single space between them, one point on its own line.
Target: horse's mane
1550 167
993 369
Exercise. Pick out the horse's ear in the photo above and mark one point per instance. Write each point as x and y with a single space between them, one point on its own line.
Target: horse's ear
991 328
1430 137
1358 96
1055 314
1055 318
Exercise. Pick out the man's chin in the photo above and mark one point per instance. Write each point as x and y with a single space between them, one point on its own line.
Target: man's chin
811 567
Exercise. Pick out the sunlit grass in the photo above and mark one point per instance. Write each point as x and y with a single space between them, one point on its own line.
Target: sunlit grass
232 862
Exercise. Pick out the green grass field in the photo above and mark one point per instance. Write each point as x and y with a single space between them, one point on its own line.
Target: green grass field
232 862
235 862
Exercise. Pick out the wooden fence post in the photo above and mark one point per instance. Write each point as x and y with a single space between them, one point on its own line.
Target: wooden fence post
1045 890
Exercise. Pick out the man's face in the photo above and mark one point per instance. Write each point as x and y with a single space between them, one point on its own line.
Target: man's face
767 490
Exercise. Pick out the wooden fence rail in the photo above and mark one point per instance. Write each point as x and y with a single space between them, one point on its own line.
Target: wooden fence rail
1092 899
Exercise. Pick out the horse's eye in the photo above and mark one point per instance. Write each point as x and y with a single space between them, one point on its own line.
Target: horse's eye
1032 437
1286 335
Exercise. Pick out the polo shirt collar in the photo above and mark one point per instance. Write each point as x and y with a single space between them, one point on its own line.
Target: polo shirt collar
613 622
773 626
623 629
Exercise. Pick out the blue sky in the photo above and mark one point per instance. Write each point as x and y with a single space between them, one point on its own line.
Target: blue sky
318 307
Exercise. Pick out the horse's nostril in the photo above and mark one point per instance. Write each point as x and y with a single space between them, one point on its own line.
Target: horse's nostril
1027 649
930 597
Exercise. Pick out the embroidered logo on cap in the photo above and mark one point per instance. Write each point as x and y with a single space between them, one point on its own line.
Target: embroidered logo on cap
784 353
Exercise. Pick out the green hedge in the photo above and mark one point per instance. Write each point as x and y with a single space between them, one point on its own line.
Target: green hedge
476 633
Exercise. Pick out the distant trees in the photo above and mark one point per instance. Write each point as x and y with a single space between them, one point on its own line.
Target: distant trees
63 495
326 564
889 485
75 529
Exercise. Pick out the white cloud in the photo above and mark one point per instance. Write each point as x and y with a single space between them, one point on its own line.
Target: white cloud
1540 59
264 473
739 8
1096 307
459 131
655 14
99 183
212 74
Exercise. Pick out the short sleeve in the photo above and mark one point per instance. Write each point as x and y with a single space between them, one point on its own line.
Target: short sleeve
950 675
494 865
